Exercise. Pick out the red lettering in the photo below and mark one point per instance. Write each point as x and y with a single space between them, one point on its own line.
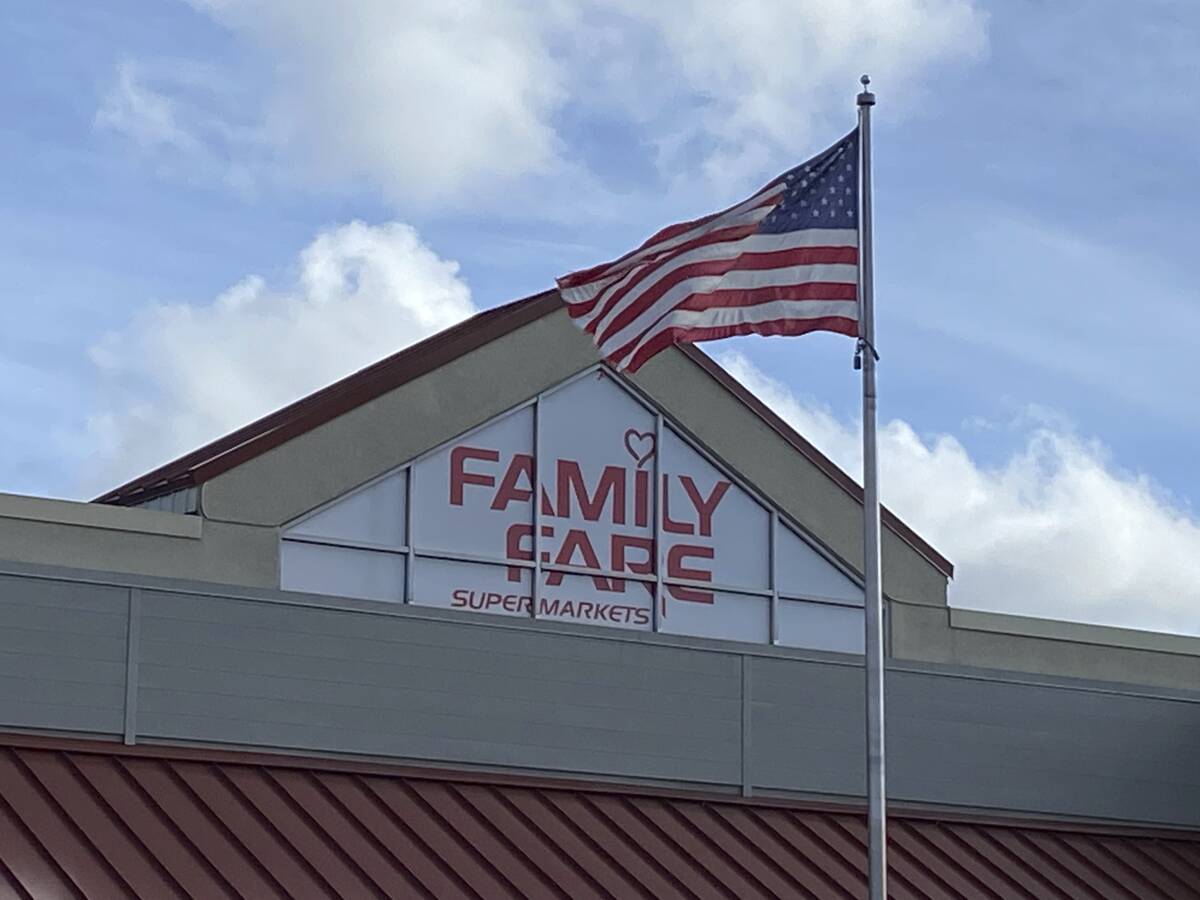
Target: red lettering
577 539
612 483
513 539
669 525
459 476
509 492
645 566
705 508
641 498
676 569
459 598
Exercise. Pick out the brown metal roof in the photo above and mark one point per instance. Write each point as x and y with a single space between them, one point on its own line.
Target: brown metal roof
93 820
421 358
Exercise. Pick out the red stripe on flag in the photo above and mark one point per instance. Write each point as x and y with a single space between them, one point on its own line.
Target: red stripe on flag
692 335
810 290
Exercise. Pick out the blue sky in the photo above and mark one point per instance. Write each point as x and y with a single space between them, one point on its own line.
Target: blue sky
1035 221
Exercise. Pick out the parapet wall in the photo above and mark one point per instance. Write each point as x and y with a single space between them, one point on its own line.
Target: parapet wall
151 660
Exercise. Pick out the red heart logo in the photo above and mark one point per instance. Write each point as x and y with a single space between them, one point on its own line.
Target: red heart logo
640 445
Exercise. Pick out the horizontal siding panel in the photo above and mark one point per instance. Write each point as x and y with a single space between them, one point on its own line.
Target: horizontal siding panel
62 654
418 666
516 747
540 701
337 634
294 676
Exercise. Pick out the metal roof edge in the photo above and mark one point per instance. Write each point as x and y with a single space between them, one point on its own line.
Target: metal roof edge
336 763
315 409
815 456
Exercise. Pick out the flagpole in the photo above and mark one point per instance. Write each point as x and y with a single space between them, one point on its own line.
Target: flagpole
872 568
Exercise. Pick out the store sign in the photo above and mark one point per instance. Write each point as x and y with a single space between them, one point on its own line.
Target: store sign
586 507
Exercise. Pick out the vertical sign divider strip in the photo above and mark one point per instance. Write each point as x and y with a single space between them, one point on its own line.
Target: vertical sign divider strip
659 557
133 641
747 699
773 552
535 591
410 475
409 556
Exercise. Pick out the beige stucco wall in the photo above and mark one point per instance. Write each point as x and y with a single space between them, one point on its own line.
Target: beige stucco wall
1044 646
389 431
144 542
722 422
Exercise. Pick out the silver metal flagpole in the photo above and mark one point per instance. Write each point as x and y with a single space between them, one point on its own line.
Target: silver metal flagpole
872 568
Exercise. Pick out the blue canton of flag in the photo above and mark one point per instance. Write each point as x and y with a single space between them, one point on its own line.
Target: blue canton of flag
823 192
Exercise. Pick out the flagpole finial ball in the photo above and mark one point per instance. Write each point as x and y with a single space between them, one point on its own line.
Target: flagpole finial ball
865 97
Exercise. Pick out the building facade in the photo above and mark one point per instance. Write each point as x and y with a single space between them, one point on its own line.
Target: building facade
488 619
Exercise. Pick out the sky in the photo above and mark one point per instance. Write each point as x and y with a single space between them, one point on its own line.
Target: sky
213 207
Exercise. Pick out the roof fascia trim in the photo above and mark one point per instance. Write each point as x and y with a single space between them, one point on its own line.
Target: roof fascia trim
815 456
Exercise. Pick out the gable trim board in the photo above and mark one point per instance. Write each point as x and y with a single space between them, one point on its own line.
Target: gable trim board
257 438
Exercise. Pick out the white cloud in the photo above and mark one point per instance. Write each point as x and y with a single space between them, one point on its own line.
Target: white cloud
180 115
439 102
428 100
764 75
180 375
1055 531
147 117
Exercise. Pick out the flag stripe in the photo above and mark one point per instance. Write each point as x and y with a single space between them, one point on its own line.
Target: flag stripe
784 319
726 246
745 303
716 261
753 209
612 289
734 280
814 290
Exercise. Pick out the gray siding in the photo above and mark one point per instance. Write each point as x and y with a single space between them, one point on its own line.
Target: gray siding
270 670
1044 749
62 654
979 741
332 680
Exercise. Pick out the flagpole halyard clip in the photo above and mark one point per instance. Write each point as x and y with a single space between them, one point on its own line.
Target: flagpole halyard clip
862 344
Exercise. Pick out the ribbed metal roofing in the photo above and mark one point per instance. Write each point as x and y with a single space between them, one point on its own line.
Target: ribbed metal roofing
119 823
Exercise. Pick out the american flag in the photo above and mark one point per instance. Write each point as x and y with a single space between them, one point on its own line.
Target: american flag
784 261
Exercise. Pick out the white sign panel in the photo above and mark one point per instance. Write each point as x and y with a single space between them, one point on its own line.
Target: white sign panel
606 493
